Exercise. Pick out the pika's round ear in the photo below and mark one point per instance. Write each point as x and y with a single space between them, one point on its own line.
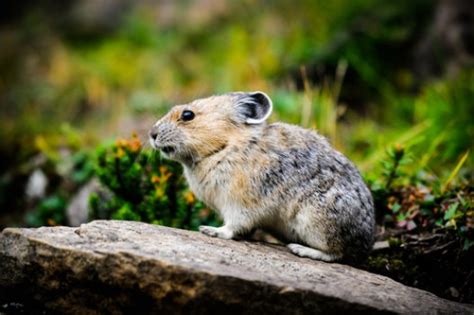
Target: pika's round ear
256 107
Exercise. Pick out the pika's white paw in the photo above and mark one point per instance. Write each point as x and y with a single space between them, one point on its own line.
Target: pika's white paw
309 252
208 230
220 232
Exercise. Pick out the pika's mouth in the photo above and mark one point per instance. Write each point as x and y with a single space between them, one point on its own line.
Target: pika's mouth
168 149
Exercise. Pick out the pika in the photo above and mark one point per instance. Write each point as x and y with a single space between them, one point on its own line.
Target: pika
278 177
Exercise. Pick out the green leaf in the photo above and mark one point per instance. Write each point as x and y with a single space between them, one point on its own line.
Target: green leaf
401 217
396 207
449 214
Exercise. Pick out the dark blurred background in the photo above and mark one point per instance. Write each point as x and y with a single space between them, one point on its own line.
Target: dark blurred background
367 74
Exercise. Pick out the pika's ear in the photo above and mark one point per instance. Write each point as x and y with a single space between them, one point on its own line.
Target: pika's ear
256 107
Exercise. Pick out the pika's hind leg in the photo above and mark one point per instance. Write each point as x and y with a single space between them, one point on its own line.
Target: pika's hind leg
303 251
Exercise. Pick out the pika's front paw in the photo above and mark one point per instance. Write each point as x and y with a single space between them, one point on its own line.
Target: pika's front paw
208 230
220 232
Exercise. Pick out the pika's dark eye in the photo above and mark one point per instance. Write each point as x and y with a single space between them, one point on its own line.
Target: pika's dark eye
187 115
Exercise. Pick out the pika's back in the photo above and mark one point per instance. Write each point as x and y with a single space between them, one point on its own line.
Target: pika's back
287 158
302 176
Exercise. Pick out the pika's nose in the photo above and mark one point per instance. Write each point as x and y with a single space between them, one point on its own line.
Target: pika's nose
153 133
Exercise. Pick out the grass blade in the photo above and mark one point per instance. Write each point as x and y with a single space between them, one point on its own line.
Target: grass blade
455 171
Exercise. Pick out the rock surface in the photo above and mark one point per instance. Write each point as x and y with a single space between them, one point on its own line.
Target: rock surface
130 267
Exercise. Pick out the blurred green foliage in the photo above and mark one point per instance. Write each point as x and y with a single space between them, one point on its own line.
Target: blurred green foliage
51 211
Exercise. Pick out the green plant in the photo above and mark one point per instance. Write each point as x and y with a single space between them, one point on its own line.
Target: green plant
392 166
145 188
419 205
50 211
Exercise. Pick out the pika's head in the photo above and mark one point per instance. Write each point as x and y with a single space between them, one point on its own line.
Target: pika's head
197 130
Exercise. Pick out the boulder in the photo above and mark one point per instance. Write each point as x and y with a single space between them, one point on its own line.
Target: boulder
131 267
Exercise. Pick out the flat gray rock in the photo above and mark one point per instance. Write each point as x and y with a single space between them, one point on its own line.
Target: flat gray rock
131 267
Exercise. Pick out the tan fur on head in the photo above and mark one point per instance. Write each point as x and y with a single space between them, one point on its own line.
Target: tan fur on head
217 123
